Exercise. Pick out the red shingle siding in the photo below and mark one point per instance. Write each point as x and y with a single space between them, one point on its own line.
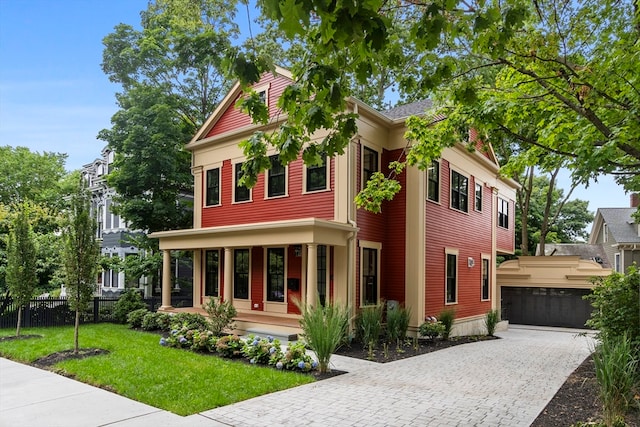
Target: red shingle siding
295 205
470 234
233 118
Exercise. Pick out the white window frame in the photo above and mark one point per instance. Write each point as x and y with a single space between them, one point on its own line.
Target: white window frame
487 258
501 202
447 252
617 262
480 187
365 244
264 88
363 182
206 186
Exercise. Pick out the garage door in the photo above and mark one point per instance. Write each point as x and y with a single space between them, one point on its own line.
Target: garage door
545 306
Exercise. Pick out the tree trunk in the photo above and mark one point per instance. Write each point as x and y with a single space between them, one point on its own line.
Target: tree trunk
19 321
526 189
76 348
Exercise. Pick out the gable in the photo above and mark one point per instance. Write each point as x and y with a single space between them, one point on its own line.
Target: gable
227 117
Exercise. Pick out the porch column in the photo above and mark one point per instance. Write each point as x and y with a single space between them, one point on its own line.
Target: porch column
312 274
228 273
166 281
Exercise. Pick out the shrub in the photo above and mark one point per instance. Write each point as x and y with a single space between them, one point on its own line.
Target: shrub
202 340
221 315
447 316
616 305
431 328
296 359
134 319
163 321
369 324
491 320
129 301
324 329
189 321
229 346
398 323
616 372
261 350
150 322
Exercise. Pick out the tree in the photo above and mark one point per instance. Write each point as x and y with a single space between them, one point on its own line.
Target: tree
21 262
81 254
170 72
556 76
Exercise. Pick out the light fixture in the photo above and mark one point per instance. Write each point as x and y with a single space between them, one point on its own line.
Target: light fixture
297 250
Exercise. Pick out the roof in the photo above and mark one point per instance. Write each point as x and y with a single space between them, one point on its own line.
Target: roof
406 110
583 250
621 224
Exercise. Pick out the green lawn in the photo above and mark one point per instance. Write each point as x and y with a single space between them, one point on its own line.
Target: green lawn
139 368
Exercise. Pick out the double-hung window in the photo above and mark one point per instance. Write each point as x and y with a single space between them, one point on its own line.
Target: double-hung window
459 191
276 178
241 193
241 273
211 278
503 213
213 187
369 285
485 279
369 164
322 273
317 176
452 278
478 198
275 274
433 181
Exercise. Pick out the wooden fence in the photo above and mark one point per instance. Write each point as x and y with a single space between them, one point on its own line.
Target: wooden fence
56 312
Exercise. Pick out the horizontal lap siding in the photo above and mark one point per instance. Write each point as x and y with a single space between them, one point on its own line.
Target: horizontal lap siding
257 277
470 234
505 236
294 271
233 118
294 206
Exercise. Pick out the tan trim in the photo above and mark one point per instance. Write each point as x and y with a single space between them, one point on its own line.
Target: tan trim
415 245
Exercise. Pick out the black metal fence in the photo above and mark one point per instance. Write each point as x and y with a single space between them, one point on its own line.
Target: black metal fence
56 312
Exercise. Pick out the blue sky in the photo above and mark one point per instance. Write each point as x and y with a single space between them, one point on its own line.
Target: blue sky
54 96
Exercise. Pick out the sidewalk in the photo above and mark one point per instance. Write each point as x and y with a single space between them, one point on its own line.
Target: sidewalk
504 382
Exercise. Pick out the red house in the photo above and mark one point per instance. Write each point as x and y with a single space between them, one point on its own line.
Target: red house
298 235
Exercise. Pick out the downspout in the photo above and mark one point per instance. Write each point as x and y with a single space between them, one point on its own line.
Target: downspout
350 250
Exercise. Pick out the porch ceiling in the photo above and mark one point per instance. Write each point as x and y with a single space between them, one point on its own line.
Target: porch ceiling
310 230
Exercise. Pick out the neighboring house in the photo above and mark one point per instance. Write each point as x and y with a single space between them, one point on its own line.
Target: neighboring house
619 234
297 234
114 234
582 250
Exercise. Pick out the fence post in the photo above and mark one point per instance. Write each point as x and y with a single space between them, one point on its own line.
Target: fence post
96 310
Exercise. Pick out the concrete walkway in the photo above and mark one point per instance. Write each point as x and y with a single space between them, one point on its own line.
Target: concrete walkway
504 382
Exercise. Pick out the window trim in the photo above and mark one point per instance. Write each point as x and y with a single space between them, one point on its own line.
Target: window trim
235 250
264 88
284 274
437 182
235 184
458 191
206 274
206 187
502 216
485 259
305 177
363 180
267 179
617 262
378 248
478 196
451 252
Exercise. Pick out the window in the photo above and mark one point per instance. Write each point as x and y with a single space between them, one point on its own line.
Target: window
605 233
503 213
317 176
485 279
452 278
211 277
369 164
276 181
459 191
479 197
241 193
213 187
322 273
241 274
617 264
369 283
433 181
263 96
275 274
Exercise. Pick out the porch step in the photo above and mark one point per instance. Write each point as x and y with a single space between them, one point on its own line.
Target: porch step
281 335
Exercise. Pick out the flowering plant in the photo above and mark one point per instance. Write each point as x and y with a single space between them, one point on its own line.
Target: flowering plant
229 346
432 328
295 358
261 350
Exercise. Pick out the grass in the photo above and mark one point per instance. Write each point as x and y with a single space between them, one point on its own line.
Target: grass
139 368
